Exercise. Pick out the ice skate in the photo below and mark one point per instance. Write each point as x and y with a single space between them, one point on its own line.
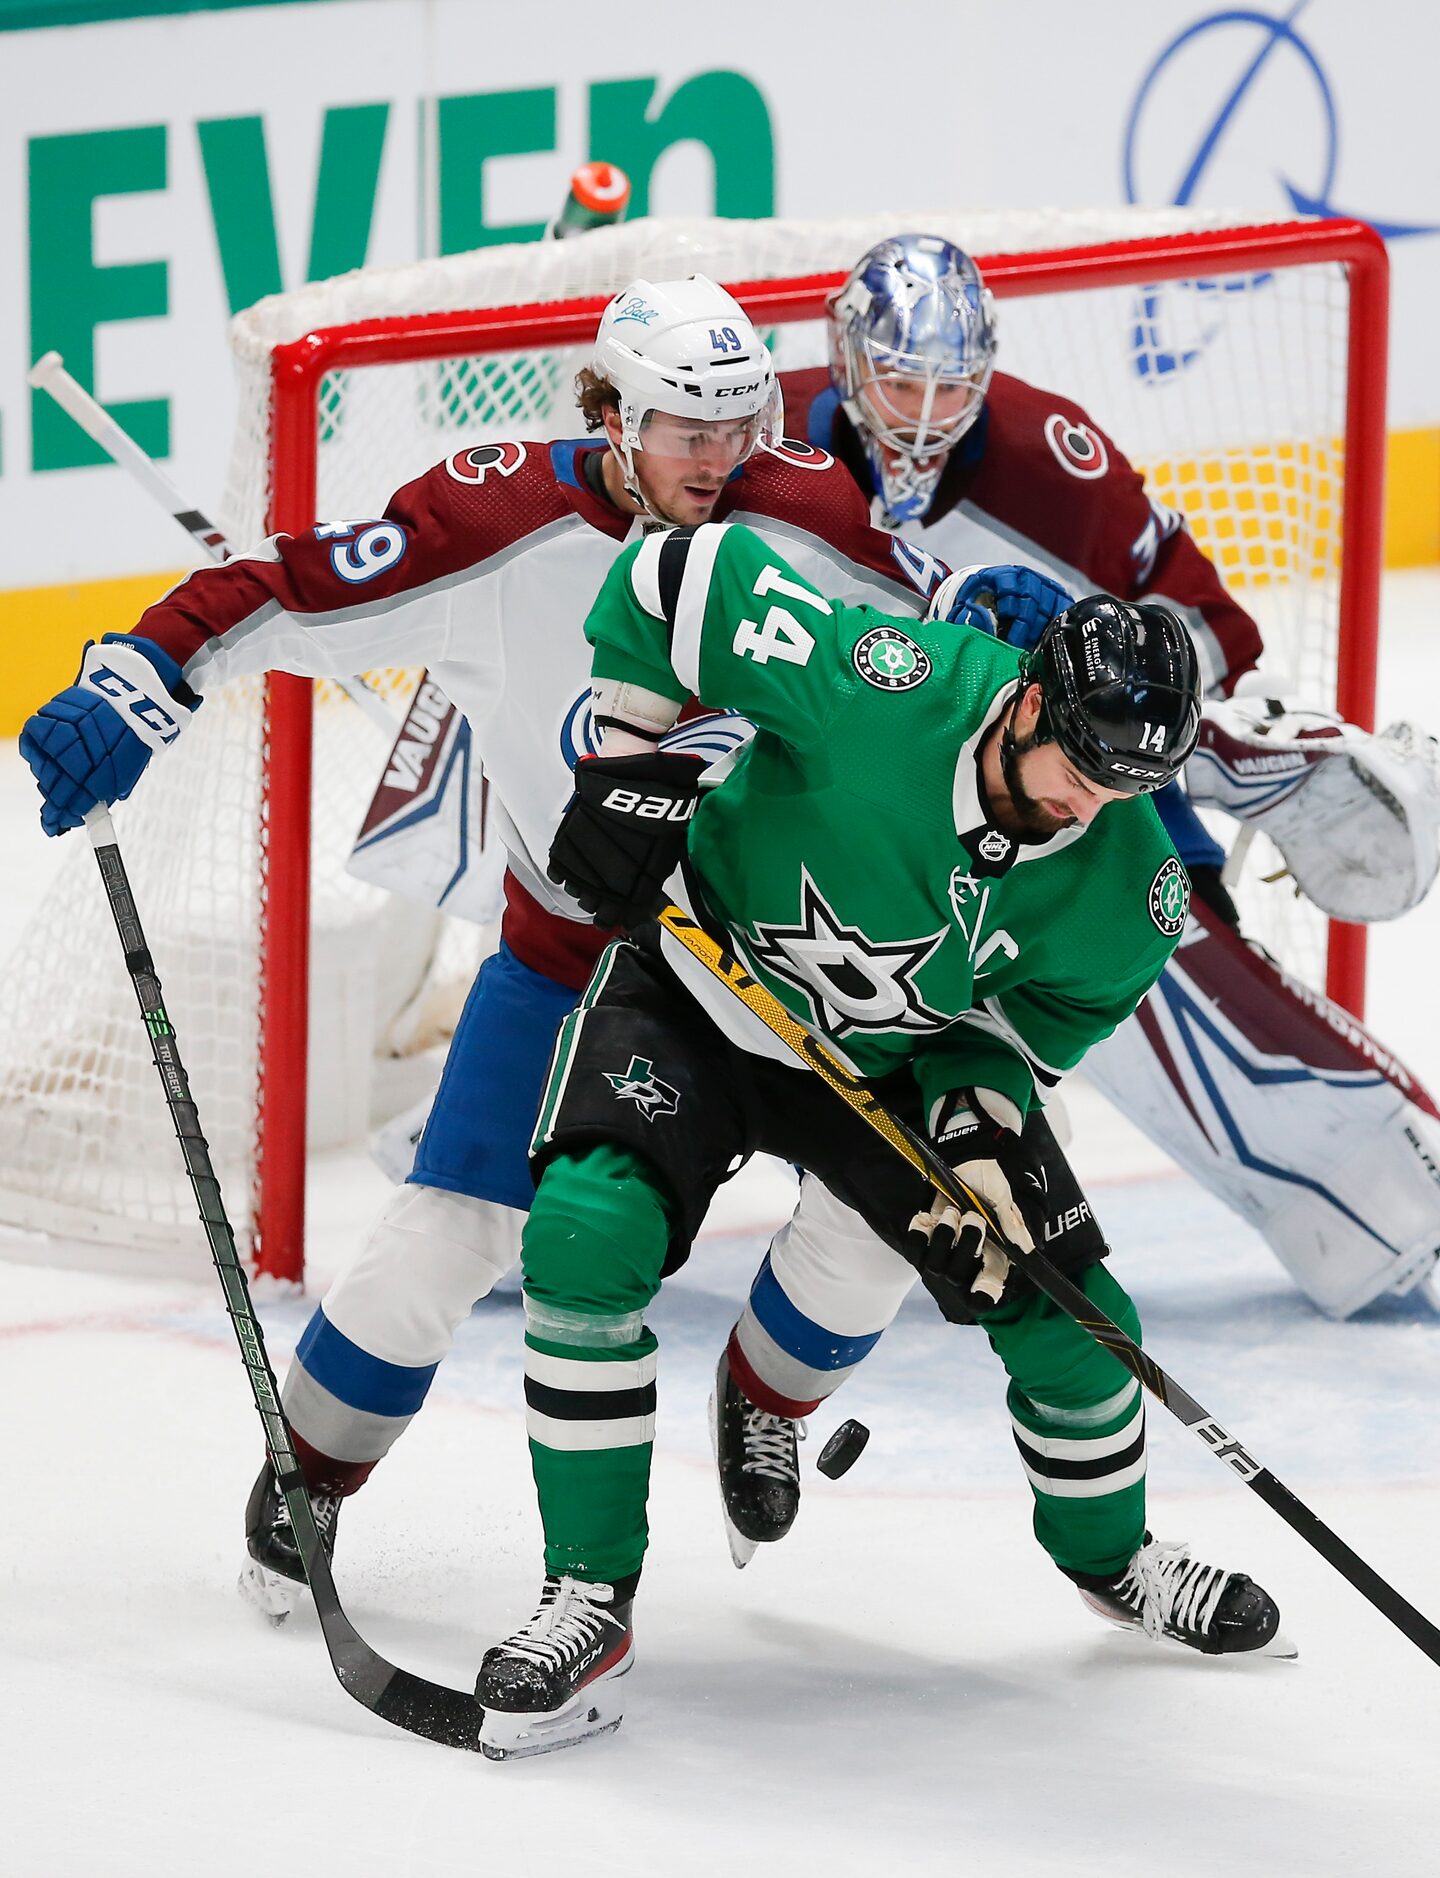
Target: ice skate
758 1463
1172 1597
550 1684
273 1577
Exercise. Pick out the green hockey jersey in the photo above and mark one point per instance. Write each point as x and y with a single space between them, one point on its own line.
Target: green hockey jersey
851 854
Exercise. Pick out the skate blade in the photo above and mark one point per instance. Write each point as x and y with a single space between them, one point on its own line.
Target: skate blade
270 1594
742 1550
1279 1647
597 1710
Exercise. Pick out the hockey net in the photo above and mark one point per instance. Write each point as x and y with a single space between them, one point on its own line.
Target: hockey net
1241 368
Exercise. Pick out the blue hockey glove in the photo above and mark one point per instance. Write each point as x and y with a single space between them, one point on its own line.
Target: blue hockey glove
1013 603
91 742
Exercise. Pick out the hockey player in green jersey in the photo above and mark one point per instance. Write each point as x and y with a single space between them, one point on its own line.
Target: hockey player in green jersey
938 853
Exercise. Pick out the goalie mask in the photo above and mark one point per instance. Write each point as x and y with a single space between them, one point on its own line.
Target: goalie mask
692 375
912 348
1121 691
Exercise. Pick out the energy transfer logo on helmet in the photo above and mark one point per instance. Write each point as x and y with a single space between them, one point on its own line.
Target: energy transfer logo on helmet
890 660
1121 691
912 347
685 349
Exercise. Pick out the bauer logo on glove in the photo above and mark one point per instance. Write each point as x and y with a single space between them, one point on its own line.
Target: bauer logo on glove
624 832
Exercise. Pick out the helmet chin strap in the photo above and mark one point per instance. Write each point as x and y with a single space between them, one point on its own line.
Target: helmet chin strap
630 481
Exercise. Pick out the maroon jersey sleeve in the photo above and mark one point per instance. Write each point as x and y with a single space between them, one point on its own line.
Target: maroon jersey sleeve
808 491
300 602
1052 475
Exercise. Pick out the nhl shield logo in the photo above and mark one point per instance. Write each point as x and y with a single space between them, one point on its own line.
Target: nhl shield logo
993 845
1170 898
890 660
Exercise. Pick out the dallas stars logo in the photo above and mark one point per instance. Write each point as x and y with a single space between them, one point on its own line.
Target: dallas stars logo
1170 898
639 1084
851 982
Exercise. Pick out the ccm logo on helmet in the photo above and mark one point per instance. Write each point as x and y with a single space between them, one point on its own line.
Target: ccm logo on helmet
737 391
648 808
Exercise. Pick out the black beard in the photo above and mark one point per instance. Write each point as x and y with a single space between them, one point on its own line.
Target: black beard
1031 821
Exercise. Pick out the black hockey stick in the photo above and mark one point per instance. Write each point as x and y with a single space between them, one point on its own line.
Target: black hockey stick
1056 1286
422 1708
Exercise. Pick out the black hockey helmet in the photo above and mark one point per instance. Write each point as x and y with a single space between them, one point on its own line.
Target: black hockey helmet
1121 692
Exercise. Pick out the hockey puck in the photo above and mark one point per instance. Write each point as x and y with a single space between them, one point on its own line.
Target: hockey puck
843 1449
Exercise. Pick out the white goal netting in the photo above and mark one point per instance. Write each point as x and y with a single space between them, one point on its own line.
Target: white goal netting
1228 390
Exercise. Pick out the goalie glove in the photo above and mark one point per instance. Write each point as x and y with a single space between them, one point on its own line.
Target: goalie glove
963 1265
624 832
91 742
1012 603
1356 817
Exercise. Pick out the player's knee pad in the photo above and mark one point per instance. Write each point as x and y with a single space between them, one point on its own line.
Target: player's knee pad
594 1245
431 1255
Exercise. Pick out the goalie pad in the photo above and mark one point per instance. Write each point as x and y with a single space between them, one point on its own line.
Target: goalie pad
426 834
1355 816
1288 1110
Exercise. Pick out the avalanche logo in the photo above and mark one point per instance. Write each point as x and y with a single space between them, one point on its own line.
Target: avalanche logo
639 1084
473 466
1079 450
851 982
1170 898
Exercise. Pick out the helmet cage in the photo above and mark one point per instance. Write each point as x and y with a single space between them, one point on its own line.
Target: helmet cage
913 310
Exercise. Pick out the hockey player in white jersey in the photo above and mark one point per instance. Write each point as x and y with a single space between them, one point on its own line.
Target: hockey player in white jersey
483 569
1276 1100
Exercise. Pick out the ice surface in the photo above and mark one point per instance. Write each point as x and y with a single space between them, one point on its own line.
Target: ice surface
905 1686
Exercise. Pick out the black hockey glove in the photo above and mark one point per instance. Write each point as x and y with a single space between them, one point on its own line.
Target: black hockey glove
963 1265
624 832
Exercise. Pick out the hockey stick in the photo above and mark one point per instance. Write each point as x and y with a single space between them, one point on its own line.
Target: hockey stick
1055 1285
410 1702
49 374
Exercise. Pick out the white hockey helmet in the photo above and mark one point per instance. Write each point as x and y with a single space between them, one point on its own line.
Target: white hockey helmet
687 348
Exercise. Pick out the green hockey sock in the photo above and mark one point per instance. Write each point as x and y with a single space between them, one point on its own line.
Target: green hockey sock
593 1250
1078 1418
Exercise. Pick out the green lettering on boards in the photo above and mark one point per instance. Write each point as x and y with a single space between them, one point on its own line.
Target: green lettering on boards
71 294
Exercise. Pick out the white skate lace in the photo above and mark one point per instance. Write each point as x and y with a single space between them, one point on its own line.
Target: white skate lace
567 1622
1168 1588
770 1445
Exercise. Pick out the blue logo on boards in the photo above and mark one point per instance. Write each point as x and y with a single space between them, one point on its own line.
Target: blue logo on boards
1256 40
